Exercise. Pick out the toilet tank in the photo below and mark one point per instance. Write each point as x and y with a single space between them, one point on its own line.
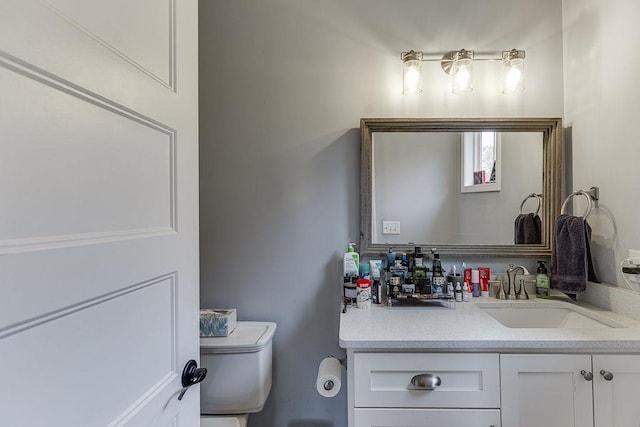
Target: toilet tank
238 369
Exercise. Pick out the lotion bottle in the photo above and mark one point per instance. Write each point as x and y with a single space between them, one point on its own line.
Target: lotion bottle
351 261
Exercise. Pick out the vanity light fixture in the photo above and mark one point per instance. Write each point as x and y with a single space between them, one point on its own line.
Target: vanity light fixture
459 65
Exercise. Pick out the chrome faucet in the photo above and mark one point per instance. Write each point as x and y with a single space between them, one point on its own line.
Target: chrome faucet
512 272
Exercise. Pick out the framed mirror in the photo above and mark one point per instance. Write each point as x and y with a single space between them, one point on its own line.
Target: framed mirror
463 186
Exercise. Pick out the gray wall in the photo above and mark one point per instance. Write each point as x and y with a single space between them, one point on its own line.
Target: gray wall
415 182
601 113
283 85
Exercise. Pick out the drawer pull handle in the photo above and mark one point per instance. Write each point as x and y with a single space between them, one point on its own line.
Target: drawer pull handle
426 381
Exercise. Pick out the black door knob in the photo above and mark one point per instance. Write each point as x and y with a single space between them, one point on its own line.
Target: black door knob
191 375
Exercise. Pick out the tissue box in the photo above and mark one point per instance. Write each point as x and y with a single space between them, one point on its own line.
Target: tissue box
217 322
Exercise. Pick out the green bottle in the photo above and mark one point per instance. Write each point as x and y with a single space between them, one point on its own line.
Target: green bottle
543 287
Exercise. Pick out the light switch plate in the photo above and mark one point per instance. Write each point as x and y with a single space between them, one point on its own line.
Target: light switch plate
390 227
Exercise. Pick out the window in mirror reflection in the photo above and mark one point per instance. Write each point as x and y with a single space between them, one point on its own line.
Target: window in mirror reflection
480 162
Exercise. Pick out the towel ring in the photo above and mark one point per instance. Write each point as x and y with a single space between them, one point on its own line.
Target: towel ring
579 193
538 197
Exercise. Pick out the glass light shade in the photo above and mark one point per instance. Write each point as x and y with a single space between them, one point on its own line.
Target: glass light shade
411 73
462 71
513 71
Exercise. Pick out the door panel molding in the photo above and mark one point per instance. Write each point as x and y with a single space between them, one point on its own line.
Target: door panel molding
27 324
165 135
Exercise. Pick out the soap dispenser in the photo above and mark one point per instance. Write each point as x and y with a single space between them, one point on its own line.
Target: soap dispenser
543 288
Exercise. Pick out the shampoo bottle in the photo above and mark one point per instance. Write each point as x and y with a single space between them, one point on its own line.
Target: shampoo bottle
542 281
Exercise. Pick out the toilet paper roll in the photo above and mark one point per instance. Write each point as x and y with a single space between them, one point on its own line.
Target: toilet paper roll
329 380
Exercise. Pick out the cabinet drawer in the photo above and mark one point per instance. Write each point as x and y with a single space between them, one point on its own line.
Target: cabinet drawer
427 417
466 380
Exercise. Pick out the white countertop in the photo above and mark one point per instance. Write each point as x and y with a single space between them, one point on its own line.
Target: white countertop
468 328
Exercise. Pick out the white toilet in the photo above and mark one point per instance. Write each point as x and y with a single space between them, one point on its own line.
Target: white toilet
238 378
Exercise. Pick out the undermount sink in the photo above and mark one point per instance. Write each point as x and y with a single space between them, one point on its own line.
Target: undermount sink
546 317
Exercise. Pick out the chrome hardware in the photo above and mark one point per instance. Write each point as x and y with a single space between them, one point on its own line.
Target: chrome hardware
191 375
500 292
328 385
592 194
425 382
587 375
522 289
512 272
608 376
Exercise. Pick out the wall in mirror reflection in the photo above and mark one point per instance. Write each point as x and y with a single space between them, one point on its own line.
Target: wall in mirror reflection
417 181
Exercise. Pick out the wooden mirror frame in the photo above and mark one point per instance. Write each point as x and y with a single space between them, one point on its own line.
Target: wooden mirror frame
551 129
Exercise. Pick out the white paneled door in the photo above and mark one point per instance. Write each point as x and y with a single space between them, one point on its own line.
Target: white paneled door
98 212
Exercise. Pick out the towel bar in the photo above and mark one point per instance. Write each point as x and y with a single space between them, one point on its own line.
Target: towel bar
591 194
538 197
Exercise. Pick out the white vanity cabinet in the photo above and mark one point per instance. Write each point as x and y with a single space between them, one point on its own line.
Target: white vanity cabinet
425 390
560 390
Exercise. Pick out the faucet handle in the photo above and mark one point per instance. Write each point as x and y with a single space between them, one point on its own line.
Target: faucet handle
521 290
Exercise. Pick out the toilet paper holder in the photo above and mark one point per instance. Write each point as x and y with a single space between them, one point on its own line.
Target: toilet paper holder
329 384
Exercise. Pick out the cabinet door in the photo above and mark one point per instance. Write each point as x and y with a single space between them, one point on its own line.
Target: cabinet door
546 390
427 417
616 396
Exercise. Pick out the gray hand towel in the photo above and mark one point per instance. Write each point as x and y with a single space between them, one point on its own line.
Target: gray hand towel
571 264
527 229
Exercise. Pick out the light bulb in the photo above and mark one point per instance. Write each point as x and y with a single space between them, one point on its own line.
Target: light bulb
412 81
512 79
463 78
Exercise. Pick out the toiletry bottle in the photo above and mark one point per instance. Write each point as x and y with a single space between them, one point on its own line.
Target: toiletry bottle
350 269
437 264
542 281
391 258
466 296
419 269
376 291
475 283
364 270
351 261
458 292
418 260
364 292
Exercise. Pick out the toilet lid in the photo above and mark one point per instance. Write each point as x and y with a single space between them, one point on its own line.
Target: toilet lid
247 337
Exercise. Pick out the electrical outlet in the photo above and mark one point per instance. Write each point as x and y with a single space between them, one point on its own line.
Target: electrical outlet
390 227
